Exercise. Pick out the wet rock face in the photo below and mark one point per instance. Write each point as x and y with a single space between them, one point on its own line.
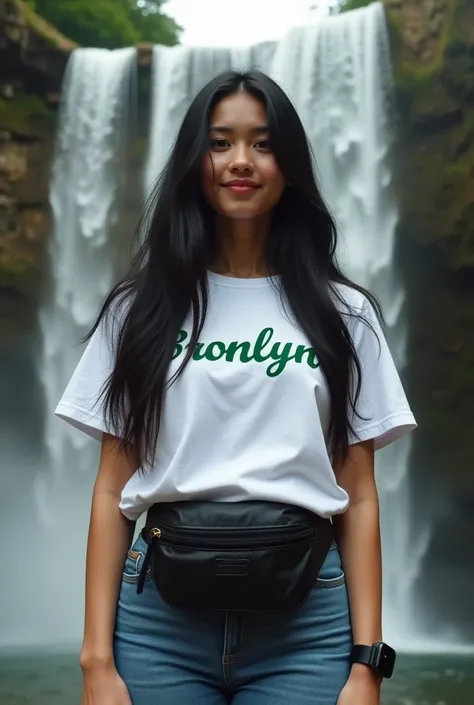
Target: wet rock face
434 82
433 58
422 24
13 161
24 211
24 226
32 62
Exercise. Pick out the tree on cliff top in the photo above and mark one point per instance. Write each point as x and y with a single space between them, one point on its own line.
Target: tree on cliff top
110 24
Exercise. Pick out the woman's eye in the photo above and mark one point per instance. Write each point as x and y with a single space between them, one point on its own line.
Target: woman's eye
219 143
222 143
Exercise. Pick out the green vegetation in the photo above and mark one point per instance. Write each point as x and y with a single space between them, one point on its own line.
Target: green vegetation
15 262
347 5
17 115
49 34
109 24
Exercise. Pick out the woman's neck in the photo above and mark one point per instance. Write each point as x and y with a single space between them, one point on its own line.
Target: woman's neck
242 246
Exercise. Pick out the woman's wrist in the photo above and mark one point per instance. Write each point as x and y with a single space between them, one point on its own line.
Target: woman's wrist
92 659
363 672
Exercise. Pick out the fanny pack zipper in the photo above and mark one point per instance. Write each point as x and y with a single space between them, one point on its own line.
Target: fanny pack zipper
203 536
219 537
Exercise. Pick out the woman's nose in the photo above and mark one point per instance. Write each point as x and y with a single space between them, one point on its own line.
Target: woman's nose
241 166
241 161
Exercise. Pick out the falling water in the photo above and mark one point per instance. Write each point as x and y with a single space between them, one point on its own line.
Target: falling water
338 75
84 198
86 179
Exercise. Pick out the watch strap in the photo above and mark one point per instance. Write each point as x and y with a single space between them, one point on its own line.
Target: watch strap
362 654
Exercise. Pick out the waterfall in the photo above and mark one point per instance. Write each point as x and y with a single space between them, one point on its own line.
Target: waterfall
338 75
84 198
84 195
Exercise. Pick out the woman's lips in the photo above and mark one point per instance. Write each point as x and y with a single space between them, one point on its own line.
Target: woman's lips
241 186
242 189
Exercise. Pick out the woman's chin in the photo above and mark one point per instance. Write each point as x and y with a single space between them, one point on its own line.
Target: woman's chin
241 212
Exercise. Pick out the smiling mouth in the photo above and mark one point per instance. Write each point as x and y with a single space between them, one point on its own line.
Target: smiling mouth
242 189
241 186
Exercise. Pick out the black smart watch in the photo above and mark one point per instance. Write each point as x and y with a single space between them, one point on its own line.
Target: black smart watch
379 657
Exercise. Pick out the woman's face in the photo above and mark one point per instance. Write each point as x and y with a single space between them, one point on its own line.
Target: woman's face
241 177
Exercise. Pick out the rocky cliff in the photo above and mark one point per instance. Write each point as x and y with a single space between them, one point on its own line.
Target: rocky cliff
433 50
33 57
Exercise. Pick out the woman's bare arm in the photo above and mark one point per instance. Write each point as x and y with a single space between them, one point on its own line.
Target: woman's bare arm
110 535
358 534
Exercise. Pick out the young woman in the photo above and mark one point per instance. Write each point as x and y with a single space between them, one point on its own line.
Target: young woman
239 384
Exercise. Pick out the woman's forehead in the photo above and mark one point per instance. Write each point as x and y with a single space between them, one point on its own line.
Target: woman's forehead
237 110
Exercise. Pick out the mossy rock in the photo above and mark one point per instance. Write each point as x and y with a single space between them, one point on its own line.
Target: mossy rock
21 114
436 152
435 182
459 247
457 73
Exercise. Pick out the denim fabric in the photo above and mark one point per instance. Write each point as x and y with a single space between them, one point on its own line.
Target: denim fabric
171 657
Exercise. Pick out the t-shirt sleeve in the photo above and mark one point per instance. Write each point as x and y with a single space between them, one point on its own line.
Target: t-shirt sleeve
82 402
384 414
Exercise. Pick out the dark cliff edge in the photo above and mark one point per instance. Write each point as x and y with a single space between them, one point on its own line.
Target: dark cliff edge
433 55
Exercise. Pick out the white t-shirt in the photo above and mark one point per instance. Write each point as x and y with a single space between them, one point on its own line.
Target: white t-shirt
248 418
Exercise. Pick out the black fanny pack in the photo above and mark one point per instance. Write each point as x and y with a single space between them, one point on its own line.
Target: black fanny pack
251 556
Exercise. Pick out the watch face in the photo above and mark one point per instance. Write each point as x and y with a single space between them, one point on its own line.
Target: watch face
385 660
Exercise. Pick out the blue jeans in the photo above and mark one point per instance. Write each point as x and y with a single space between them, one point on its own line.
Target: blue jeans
172 657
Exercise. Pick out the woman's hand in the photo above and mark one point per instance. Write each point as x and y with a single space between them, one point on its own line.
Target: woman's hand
362 688
103 686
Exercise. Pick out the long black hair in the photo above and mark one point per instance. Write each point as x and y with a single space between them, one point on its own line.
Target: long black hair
168 277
